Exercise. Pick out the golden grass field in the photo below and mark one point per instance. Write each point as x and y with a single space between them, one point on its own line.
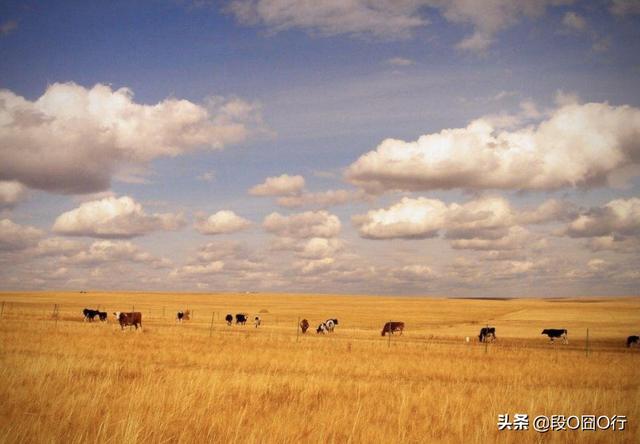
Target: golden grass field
69 381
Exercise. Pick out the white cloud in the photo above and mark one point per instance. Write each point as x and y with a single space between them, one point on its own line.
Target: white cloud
320 248
113 218
322 199
198 269
11 193
74 140
388 19
303 225
574 21
380 18
486 223
283 185
15 237
619 217
108 251
222 222
577 146
489 17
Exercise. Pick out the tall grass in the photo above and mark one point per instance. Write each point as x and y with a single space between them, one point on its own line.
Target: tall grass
72 381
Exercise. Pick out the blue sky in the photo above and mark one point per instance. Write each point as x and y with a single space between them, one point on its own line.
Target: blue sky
133 135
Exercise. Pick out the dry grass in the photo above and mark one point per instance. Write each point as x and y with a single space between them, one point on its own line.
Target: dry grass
69 381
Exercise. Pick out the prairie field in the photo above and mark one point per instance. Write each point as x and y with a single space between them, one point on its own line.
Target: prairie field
65 380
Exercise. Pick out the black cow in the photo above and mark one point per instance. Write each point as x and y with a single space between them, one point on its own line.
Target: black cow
179 316
89 314
633 340
127 319
102 315
229 318
393 326
241 318
304 326
555 333
487 334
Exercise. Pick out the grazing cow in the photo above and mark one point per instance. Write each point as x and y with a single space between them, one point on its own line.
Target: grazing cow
229 318
102 315
241 318
487 334
127 319
331 324
393 326
633 340
304 326
257 321
89 314
322 328
180 316
555 333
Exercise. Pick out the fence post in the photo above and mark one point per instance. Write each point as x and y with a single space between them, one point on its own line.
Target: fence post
298 330
486 343
2 310
211 326
587 348
389 331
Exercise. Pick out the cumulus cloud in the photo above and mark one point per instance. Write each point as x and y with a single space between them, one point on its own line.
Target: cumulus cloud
11 193
577 146
222 222
108 251
620 217
15 237
486 223
74 139
303 225
198 269
112 218
320 248
283 185
322 199
380 18
490 17
388 19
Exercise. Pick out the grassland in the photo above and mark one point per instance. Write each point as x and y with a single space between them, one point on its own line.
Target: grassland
69 381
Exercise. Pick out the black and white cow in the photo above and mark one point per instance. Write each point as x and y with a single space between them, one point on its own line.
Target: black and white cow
229 318
322 328
241 318
487 334
555 333
331 324
633 340
89 315
257 321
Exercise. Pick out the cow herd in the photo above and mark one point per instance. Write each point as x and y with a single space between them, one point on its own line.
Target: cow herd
487 334
241 319
327 326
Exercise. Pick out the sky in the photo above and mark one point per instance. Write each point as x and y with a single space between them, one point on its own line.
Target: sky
402 147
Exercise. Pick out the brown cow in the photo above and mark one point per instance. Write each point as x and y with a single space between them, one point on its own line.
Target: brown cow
304 326
127 319
392 326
